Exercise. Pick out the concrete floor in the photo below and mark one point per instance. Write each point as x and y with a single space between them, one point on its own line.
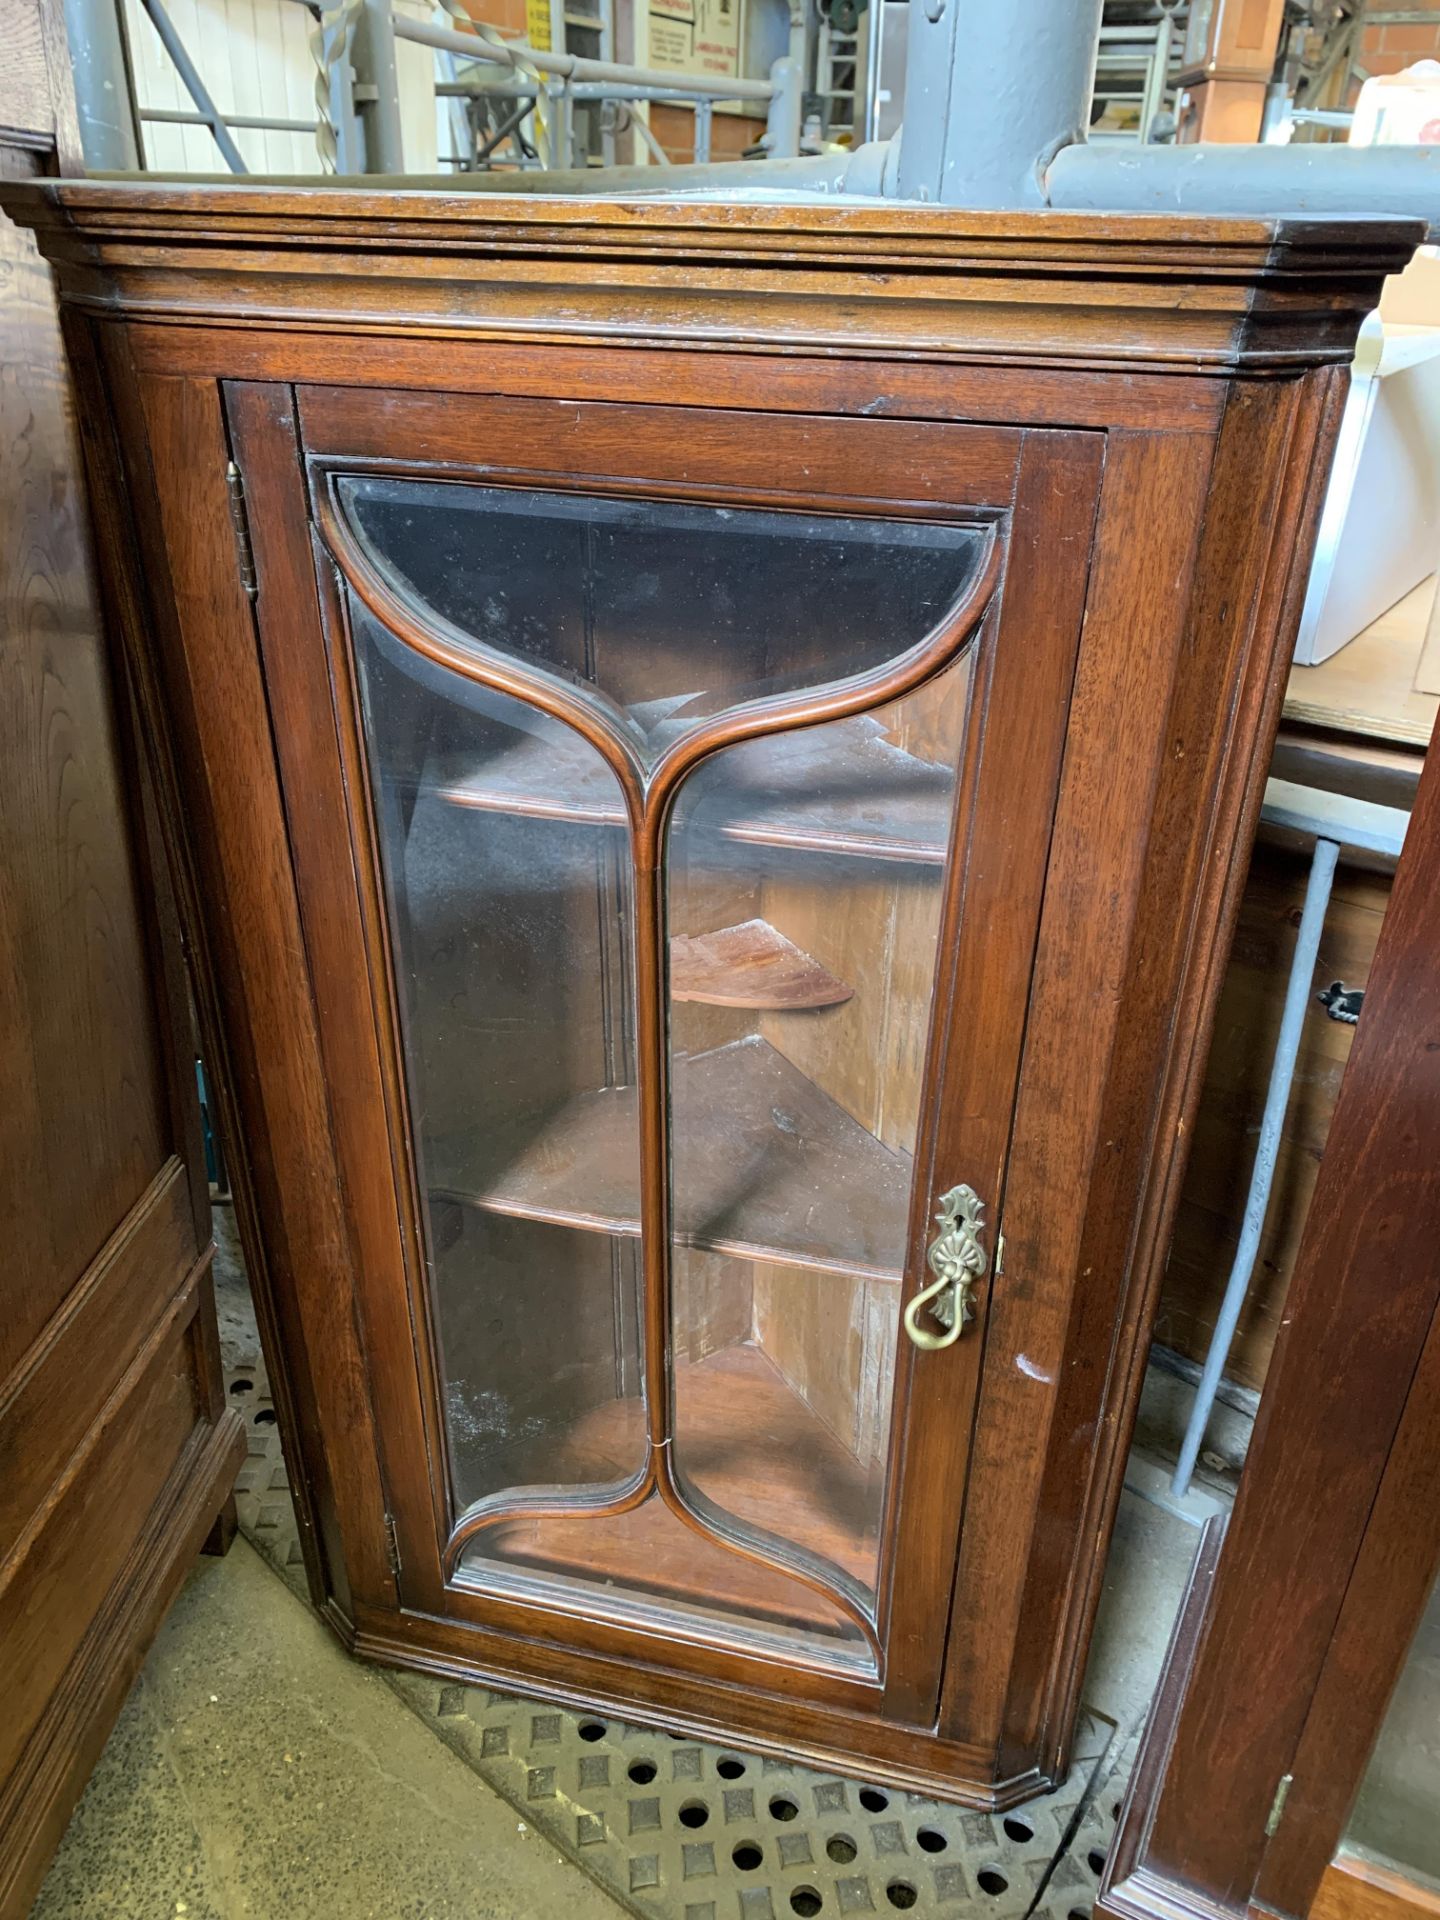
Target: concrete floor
258 1772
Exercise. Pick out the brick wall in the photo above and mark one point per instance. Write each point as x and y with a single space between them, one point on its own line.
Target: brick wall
1387 45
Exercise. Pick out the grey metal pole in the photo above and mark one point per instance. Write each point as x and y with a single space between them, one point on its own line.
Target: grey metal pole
569 66
377 87
874 42
1262 1174
103 99
783 116
259 122
1314 179
992 89
194 85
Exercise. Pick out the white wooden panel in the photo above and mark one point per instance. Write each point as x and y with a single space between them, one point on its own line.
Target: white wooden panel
254 57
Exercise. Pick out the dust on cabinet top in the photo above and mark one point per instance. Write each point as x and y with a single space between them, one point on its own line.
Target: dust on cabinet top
1184 294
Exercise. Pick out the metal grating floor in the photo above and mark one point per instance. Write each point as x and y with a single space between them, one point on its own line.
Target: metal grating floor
676 1829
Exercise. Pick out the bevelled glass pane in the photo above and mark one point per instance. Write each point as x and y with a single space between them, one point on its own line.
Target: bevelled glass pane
669 611
805 884
648 1563
511 947
802 968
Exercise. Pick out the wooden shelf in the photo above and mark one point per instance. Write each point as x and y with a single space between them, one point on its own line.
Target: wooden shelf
751 1445
841 788
1375 686
766 1166
751 965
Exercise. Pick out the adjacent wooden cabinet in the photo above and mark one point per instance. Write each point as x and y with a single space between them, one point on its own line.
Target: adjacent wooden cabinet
711 745
117 1448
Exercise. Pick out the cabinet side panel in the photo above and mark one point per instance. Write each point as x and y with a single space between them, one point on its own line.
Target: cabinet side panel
1046 1356
209 701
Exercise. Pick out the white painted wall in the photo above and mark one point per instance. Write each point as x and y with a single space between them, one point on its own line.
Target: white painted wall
255 58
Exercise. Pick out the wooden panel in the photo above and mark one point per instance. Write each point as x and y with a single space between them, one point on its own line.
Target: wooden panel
83 1116
1358 1889
1211 1209
25 104
892 389
1247 590
220 720
47 1405
920 462
49 1594
1098 851
1360 1316
36 1801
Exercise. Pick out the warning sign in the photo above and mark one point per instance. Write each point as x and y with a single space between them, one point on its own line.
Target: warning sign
695 36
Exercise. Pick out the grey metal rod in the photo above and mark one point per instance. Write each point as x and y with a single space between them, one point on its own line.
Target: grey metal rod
1262 1174
874 44
503 132
171 117
496 89
193 84
1314 180
569 66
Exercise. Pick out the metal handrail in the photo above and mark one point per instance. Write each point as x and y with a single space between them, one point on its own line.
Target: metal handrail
570 66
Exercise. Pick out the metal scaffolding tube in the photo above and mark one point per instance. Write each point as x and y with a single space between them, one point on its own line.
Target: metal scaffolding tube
569 66
194 85
104 95
1314 181
260 123
993 88
373 58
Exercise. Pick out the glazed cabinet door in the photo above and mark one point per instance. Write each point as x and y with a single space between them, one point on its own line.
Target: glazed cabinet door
669 792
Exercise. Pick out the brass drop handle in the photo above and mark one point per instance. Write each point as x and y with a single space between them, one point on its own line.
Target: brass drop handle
957 1258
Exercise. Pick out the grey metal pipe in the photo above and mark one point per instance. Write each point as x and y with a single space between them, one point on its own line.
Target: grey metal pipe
104 98
193 84
874 43
992 89
569 66
1315 180
1262 1174
373 58
260 123
817 175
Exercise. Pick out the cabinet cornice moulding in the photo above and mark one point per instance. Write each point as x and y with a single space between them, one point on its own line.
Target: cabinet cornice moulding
1183 295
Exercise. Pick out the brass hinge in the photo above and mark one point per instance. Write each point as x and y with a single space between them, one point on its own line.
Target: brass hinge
392 1545
1277 1805
240 521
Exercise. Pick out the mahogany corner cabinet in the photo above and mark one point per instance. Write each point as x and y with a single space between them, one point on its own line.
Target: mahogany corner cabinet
710 750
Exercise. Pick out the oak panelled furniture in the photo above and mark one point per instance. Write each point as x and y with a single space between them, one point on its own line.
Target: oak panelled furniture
116 1448
713 744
